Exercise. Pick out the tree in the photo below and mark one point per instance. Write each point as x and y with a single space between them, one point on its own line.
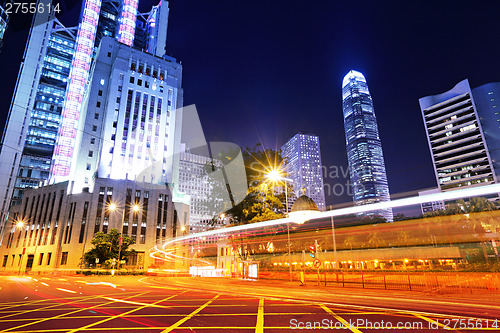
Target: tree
404 237
262 203
400 217
106 247
476 204
375 240
350 242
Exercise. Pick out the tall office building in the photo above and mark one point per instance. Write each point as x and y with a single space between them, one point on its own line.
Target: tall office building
132 124
364 148
44 88
303 166
195 181
119 133
4 20
462 127
34 116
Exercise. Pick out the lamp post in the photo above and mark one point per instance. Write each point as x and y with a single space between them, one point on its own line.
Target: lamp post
334 241
20 225
113 207
274 176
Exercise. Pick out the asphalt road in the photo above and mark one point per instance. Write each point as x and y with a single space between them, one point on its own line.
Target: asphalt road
144 304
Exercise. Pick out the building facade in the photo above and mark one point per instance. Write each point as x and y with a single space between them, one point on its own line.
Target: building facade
462 132
36 111
112 114
303 165
195 180
56 226
131 127
364 147
431 206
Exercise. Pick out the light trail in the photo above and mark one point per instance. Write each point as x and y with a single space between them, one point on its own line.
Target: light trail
443 196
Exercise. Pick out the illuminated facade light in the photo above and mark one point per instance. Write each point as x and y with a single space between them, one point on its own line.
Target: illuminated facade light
126 28
84 48
462 132
303 167
364 148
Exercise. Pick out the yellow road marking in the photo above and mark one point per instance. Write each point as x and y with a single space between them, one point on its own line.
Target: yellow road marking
43 308
191 315
158 287
339 318
123 314
259 327
136 303
68 313
434 322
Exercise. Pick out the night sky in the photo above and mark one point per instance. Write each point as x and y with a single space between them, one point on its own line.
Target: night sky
260 71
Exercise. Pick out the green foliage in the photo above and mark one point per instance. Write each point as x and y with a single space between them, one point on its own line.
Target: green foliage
106 248
474 205
262 203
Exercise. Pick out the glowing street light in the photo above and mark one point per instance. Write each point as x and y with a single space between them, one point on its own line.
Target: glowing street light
20 224
276 175
112 206
136 208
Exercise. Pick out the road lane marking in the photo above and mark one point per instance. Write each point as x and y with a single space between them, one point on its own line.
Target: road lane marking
435 322
124 314
255 293
68 313
67 290
259 327
191 315
169 288
136 303
339 318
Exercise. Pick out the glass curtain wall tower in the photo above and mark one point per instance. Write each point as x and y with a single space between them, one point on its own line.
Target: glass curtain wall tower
303 165
36 111
364 148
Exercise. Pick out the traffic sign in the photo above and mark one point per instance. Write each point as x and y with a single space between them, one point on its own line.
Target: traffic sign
317 263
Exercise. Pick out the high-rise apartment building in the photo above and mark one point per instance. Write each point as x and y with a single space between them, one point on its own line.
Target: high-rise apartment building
462 127
364 148
41 93
303 165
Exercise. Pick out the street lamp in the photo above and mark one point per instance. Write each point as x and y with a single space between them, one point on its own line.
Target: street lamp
275 176
112 207
334 241
20 225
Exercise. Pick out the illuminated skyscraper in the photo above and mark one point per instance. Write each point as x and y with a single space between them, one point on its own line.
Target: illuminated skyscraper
463 135
364 148
4 20
303 158
51 78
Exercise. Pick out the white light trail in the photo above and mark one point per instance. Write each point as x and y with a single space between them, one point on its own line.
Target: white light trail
443 196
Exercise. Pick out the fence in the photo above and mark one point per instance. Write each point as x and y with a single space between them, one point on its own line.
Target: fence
433 282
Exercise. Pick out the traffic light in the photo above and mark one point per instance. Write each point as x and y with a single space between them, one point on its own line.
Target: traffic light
312 249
